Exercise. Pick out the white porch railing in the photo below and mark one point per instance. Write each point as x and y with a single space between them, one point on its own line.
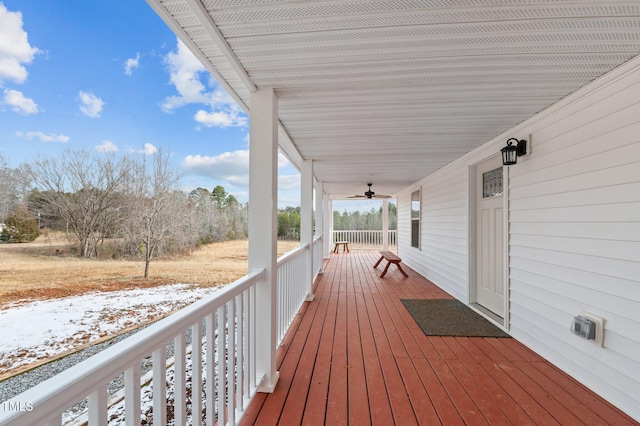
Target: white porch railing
226 358
222 329
367 240
292 287
318 258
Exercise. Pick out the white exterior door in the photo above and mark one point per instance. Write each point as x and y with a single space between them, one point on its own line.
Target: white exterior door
489 236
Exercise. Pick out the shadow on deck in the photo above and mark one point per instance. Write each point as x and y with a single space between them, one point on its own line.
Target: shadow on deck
355 356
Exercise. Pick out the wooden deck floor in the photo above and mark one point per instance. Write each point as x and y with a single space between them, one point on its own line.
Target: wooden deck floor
355 356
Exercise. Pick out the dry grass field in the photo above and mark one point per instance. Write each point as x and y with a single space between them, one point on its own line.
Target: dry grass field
35 271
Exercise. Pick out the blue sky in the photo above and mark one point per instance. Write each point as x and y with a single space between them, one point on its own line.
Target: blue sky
112 77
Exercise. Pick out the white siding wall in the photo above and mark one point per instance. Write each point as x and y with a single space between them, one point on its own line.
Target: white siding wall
443 232
574 242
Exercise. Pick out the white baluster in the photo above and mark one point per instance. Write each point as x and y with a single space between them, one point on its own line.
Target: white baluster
160 386
180 388
196 373
132 395
97 401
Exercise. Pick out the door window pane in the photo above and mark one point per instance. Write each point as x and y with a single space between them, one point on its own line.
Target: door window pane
492 183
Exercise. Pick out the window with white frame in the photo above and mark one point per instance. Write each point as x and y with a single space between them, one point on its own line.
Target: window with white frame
415 219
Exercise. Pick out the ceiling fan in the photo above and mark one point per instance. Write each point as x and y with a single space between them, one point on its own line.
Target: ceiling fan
369 194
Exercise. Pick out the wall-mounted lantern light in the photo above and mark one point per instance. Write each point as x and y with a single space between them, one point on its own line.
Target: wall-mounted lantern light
510 153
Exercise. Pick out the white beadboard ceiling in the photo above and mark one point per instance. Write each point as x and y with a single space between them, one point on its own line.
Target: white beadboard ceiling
390 91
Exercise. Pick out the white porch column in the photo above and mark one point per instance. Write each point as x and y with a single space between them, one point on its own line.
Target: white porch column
263 226
306 221
320 219
328 230
385 225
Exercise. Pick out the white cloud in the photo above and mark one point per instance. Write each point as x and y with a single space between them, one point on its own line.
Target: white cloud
240 195
221 119
18 103
286 182
15 50
90 104
43 137
131 64
233 167
287 200
186 74
147 149
107 146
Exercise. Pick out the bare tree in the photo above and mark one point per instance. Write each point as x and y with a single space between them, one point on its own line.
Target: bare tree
159 220
85 190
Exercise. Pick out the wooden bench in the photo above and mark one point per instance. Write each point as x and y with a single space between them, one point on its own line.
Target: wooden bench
391 258
344 244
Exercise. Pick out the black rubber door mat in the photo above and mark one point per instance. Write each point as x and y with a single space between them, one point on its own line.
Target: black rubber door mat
450 317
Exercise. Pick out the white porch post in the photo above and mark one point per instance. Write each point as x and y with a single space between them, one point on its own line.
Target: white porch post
263 225
385 225
320 219
306 221
328 230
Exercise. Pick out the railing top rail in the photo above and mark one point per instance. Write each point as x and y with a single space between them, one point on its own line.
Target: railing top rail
292 253
70 386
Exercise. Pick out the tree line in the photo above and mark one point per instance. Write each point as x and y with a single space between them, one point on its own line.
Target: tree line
136 203
289 220
371 220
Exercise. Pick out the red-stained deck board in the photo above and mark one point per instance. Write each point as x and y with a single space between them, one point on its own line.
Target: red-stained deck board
424 410
383 334
542 395
472 346
525 401
596 404
316 406
358 403
355 356
564 398
457 346
376 392
465 406
446 410
300 368
499 395
491 411
415 341
338 398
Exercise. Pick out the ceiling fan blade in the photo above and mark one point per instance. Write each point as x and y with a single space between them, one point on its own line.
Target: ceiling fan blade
356 196
382 196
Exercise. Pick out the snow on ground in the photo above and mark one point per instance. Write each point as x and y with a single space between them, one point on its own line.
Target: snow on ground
37 330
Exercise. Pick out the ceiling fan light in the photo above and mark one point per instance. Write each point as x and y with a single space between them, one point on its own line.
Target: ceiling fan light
369 194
